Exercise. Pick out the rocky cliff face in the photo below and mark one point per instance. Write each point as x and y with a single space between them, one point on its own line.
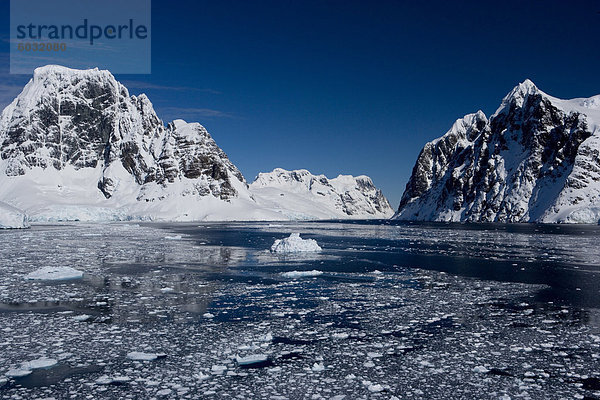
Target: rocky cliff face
536 159
86 119
301 192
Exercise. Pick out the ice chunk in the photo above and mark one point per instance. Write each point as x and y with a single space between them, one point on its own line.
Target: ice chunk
340 336
176 237
18 372
301 274
252 359
481 369
318 367
40 363
141 356
120 379
27 367
375 388
104 380
218 369
55 274
295 244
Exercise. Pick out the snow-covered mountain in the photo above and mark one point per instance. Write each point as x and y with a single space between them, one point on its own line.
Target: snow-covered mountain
537 159
75 145
301 195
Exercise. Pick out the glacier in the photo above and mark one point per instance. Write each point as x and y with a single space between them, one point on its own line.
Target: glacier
536 159
12 218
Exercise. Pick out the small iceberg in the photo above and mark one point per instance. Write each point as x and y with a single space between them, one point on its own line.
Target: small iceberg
54 274
302 274
295 244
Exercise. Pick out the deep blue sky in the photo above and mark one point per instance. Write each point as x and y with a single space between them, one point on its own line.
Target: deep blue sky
346 86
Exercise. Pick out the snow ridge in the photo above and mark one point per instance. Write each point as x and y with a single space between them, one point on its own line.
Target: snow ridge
303 195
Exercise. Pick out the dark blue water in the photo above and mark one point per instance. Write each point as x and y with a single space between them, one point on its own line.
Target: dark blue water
564 257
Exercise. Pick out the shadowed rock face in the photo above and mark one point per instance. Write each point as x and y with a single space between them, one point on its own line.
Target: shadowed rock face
522 165
86 119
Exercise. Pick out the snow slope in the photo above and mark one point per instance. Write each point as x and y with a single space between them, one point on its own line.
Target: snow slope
301 195
537 159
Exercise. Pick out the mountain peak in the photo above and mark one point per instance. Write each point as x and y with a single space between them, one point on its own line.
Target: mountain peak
528 85
518 95
523 89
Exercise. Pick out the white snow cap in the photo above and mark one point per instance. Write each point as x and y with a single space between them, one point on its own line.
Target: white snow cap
295 244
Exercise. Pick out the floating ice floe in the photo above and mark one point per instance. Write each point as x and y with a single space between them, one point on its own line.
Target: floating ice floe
18 372
141 356
115 380
340 336
27 367
176 237
252 359
54 274
40 363
295 244
302 274
218 369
